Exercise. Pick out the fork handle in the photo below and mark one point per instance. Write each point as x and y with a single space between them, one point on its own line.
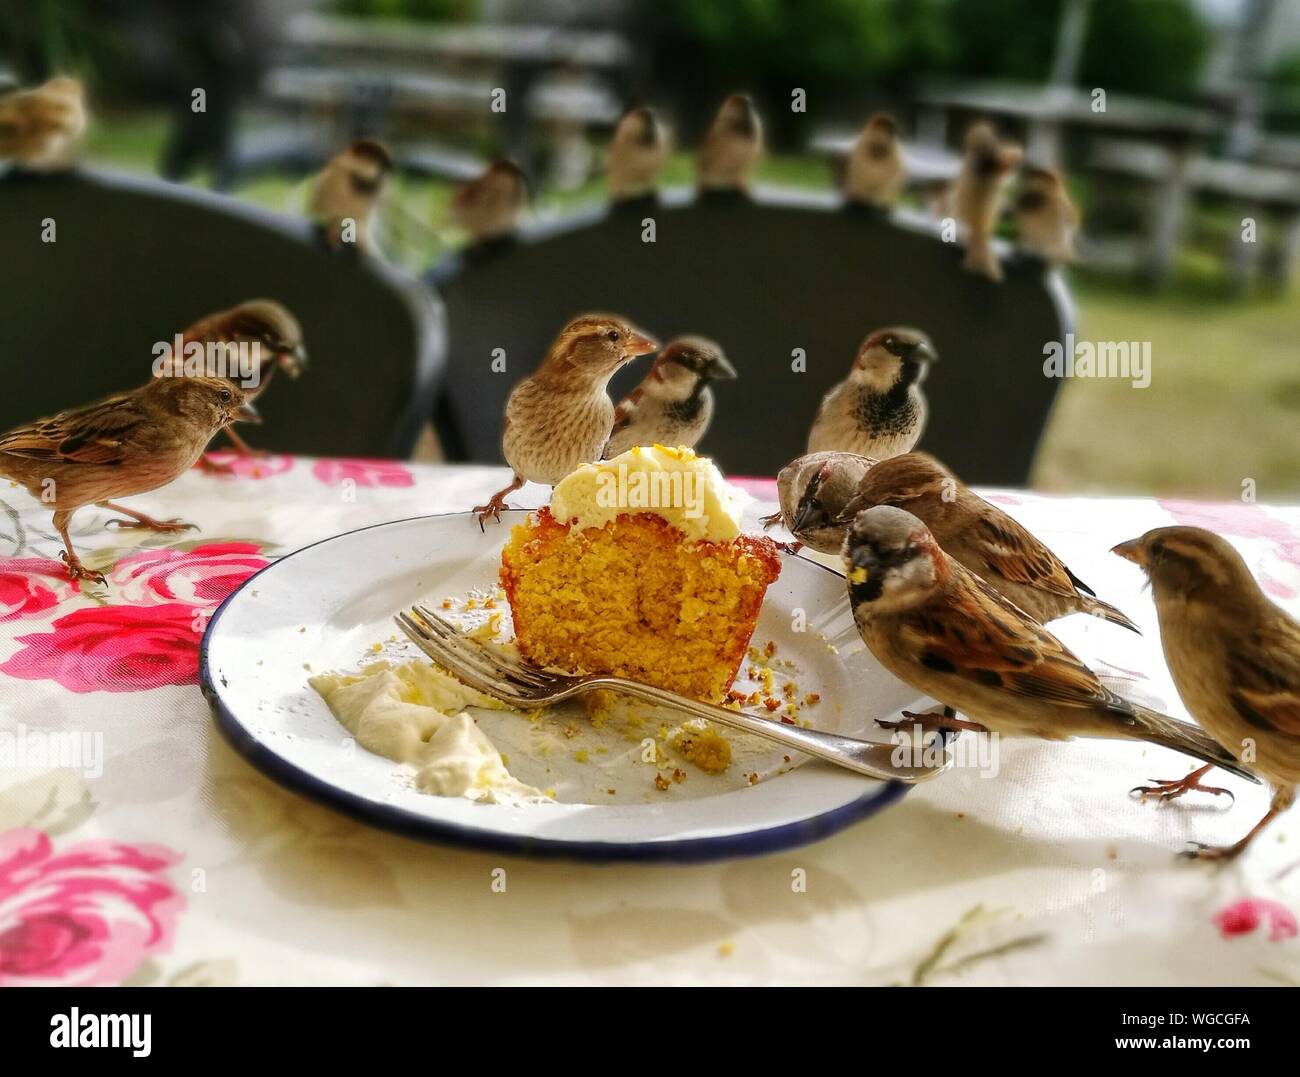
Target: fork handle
864 757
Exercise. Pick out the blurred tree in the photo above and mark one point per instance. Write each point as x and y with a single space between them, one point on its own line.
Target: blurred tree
423 10
1005 39
1151 47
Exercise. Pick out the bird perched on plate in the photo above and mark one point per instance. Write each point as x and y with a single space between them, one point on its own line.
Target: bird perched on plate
674 404
1046 219
975 533
875 172
977 195
878 410
267 336
349 189
636 154
947 633
39 127
125 444
731 148
1234 657
489 207
813 491
561 415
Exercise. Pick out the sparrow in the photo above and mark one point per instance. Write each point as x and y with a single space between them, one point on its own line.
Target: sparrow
125 444
272 335
813 491
975 533
947 633
636 154
350 187
489 207
875 172
878 410
39 127
674 404
1235 660
977 195
1046 219
731 148
561 415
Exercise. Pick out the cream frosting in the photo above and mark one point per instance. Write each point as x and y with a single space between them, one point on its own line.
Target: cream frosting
414 714
686 490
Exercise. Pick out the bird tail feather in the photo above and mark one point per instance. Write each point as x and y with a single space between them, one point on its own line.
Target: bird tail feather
1157 728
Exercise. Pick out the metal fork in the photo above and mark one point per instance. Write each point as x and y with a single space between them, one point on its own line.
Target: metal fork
518 684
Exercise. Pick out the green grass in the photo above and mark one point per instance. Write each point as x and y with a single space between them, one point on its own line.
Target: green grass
1224 401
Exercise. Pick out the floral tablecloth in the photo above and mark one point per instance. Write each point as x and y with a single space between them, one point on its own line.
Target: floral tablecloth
136 847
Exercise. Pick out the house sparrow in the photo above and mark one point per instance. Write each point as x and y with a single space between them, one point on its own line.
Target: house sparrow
1046 219
636 154
273 337
980 536
731 148
489 207
125 444
561 415
1234 657
39 127
947 633
674 404
977 195
813 491
875 171
878 410
350 187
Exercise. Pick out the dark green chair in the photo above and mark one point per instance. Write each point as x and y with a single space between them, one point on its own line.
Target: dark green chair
764 277
136 261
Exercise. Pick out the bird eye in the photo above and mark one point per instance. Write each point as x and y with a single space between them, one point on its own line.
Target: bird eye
612 336
1158 548
225 396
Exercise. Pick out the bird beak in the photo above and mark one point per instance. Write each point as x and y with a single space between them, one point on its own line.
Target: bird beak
246 413
721 370
923 353
639 343
1131 551
808 514
294 362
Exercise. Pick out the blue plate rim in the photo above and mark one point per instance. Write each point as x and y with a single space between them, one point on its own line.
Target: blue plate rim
410 824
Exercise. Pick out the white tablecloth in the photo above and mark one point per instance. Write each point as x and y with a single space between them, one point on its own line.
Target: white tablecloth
182 864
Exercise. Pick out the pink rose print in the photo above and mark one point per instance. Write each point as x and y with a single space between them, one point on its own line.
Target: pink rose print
29 586
114 649
363 472
203 576
251 467
83 917
1245 916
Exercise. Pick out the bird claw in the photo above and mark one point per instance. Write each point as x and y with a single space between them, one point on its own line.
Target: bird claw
166 527
1197 850
770 521
1175 788
78 571
945 721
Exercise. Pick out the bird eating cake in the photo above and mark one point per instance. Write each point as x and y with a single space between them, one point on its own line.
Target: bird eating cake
639 568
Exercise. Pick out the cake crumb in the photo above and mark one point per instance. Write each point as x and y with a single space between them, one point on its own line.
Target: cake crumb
581 756
753 778
703 746
811 699
661 783
726 949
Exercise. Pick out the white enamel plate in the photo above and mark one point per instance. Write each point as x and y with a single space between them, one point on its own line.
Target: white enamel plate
329 606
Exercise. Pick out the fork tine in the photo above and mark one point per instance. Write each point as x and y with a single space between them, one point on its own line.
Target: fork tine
436 649
501 663
469 652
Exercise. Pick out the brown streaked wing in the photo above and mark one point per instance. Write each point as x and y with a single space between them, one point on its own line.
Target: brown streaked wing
1016 555
1265 683
982 637
94 434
